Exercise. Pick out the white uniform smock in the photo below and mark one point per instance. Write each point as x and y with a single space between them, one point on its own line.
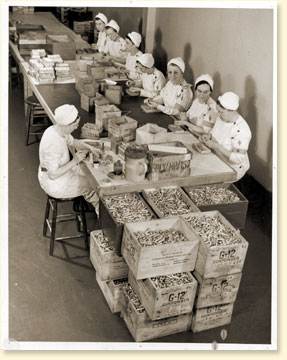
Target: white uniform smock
114 48
131 65
53 153
172 95
102 41
202 111
234 137
151 84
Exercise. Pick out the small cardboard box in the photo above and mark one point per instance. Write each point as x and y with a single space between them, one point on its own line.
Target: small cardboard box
112 229
90 131
112 291
62 44
164 204
113 93
142 328
122 126
166 165
219 260
166 302
105 112
211 317
216 291
96 70
88 102
108 265
234 212
159 259
150 134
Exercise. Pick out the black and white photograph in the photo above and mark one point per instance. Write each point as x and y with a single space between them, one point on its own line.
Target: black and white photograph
139 175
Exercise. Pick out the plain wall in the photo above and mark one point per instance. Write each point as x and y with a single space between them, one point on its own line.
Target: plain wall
236 48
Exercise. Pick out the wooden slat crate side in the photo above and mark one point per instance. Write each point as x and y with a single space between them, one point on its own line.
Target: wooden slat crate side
221 260
211 317
154 206
108 265
142 328
113 300
235 212
162 259
116 289
216 291
164 303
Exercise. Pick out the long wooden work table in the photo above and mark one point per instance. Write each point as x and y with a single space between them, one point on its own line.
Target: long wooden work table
205 168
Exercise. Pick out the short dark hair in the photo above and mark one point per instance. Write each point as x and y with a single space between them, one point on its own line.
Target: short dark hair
202 82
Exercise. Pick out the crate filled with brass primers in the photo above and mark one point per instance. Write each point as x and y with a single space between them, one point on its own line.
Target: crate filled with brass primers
168 160
165 296
222 249
116 210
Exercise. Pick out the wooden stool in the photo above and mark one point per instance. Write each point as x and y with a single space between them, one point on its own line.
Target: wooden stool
79 216
35 112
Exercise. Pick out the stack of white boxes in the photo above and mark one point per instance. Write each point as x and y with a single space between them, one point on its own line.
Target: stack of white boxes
63 72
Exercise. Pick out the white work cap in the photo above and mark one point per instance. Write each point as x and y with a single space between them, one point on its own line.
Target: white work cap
229 100
146 60
135 37
205 78
65 114
178 62
102 17
113 25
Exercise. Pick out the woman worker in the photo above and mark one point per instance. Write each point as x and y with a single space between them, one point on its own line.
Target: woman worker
59 176
101 22
202 113
115 44
133 41
176 96
231 134
151 80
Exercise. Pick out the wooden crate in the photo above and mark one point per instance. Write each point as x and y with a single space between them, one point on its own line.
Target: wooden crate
167 166
216 291
122 126
211 317
162 259
111 228
155 206
108 265
62 44
166 302
105 112
235 213
113 94
219 260
96 70
90 131
112 292
88 103
142 328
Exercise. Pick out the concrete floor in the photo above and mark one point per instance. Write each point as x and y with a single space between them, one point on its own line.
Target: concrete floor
57 298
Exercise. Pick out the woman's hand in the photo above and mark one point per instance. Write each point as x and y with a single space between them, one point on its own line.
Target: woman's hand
183 116
130 83
79 156
152 104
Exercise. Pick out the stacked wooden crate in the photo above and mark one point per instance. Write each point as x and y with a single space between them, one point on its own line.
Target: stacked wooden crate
62 14
161 255
111 269
218 269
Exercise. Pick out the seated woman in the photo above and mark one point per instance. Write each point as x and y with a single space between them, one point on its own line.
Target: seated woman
202 113
115 44
176 96
59 176
231 134
133 41
101 22
150 81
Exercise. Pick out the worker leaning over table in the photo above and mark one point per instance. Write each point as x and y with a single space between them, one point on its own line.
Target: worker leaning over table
231 134
101 22
133 41
59 176
150 81
202 114
115 43
176 96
